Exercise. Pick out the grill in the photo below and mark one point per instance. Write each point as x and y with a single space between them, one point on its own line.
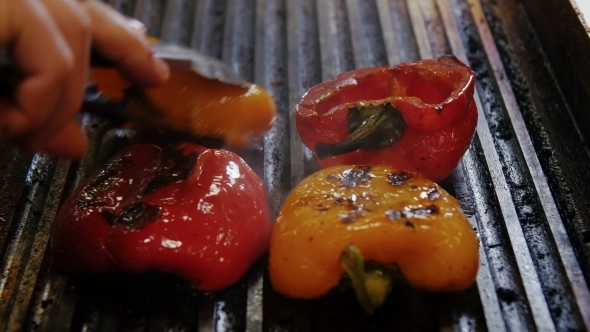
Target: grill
524 182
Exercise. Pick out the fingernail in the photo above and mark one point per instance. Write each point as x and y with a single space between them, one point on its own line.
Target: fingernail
136 24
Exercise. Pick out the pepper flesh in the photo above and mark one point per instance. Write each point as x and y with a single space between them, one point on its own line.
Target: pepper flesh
391 216
192 103
434 97
197 213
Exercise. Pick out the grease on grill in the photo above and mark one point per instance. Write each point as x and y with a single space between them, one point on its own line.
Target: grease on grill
397 179
107 178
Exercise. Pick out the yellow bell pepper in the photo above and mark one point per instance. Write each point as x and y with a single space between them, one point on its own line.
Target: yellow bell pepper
342 217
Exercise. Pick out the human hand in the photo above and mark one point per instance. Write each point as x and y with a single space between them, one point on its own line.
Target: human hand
50 42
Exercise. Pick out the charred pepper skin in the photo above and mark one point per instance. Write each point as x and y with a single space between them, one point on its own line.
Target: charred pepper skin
391 216
200 214
433 97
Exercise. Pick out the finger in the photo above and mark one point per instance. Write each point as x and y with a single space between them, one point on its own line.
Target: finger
74 25
68 142
11 119
119 41
30 32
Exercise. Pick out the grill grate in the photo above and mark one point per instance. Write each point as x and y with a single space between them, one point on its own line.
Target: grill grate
522 182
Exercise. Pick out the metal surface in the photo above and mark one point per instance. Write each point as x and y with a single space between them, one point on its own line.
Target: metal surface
524 182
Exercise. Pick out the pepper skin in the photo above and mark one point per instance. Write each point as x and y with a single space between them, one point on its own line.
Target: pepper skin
427 117
393 217
204 107
200 214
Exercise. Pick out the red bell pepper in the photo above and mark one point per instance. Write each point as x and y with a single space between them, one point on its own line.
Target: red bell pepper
418 117
197 213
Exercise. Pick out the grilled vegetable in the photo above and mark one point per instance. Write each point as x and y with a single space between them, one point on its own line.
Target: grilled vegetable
189 102
372 223
418 117
197 213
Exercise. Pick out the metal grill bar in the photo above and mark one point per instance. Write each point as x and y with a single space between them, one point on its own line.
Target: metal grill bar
496 67
490 307
562 242
397 33
529 277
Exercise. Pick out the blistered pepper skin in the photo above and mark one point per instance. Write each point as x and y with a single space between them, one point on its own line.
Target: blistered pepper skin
434 97
200 214
391 216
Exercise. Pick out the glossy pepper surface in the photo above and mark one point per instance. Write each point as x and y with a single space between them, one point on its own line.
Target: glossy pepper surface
197 213
418 116
201 106
392 217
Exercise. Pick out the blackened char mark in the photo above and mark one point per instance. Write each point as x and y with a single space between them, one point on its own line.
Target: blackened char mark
430 209
397 179
136 216
107 178
353 176
393 215
433 194
348 217
175 167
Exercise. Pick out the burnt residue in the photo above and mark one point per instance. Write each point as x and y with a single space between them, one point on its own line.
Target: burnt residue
559 147
397 179
552 128
554 137
507 295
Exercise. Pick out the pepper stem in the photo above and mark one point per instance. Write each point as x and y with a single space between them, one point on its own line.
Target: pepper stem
371 286
370 127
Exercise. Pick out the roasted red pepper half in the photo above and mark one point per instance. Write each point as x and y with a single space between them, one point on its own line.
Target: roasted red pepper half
197 213
418 116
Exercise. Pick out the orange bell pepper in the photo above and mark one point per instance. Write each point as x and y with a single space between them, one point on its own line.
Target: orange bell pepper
342 216
205 107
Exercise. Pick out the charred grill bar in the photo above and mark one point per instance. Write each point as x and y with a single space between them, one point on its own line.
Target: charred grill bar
524 182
